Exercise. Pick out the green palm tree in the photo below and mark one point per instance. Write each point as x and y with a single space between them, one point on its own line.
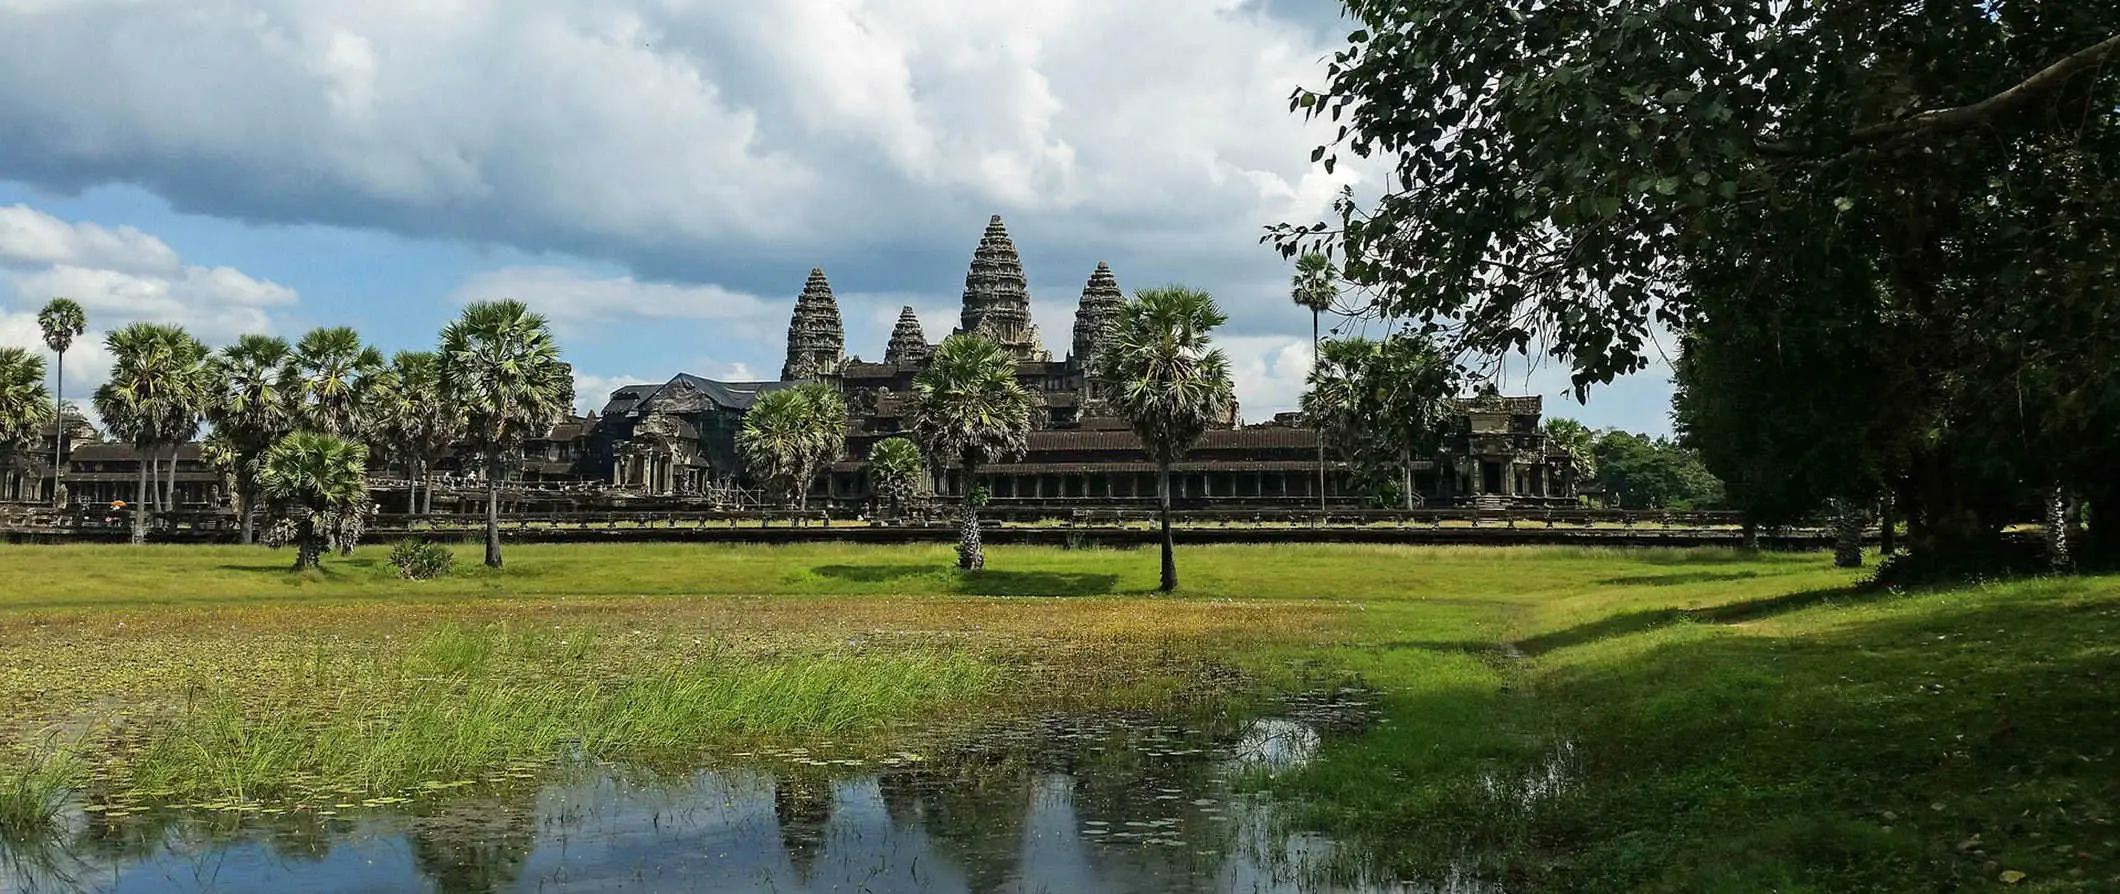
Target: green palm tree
25 407
61 320
309 476
255 393
1382 402
1162 373
500 368
1315 286
896 472
338 378
156 390
416 421
790 435
967 406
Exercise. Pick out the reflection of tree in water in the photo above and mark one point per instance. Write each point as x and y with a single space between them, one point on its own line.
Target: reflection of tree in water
802 805
474 846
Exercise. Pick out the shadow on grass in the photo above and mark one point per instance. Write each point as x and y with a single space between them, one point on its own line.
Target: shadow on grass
1677 579
1731 613
979 583
1912 748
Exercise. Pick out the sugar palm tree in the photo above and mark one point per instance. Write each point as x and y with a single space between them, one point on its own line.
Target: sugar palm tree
500 367
1314 287
255 393
416 420
895 472
156 389
25 408
968 407
61 320
1382 399
790 435
1162 373
338 377
309 476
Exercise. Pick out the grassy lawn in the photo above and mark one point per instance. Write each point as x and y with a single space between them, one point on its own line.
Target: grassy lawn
1565 719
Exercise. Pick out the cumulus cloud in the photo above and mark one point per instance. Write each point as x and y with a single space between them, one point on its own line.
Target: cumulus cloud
119 275
580 303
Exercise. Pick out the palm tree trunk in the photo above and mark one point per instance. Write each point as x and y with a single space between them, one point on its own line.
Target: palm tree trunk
246 487
154 475
971 554
169 485
426 489
1406 475
493 510
1847 534
59 433
1887 524
139 508
305 548
2060 555
1170 559
1314 425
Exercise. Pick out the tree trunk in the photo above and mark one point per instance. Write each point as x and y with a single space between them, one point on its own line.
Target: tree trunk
1314 424
169 485
245 499
1887 524
1750 531
139 508
1847 534
426 488
59 434
493 510
305 542
971 554
2060 554
154 475
1170 559
1406 475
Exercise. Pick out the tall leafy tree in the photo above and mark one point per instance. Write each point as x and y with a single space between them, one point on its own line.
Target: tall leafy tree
156 391
791 435
968 407
1384 403
1315 287
25 407
417 421
896 473
1162 372
1932 179
310 477
339 378
256 394
61 321
498 364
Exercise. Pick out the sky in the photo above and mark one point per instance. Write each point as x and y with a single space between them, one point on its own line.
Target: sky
659 176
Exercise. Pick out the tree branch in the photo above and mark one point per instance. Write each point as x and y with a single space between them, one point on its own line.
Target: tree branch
1961 117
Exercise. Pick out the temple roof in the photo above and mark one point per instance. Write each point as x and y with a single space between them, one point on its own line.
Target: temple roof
816 338
908 344
1096 313
997 295
729 395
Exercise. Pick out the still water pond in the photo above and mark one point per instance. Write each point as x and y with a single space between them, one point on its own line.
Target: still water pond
1102 804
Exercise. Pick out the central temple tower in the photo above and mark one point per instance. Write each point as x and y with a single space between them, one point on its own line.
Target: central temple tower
997 297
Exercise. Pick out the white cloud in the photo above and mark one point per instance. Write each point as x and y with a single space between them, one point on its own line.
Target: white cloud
31 238
577 302
1269 372
119 275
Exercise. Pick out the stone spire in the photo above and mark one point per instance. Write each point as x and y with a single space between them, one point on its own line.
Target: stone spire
1094 316
816 341
997 298
908 344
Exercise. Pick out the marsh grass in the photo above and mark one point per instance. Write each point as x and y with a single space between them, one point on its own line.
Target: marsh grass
456 706
35 783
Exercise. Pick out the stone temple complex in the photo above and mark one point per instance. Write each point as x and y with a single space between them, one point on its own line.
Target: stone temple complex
677 438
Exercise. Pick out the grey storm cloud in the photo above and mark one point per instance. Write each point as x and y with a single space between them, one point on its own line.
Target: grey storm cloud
706 143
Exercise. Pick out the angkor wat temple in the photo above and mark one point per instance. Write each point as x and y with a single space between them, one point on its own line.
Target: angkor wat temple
677 438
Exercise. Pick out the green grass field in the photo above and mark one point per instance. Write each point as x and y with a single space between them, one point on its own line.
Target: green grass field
1565 719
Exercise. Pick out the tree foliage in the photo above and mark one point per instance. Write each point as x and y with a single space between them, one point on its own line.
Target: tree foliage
1886 227
1162 373
968 408
316 484
25 406
1383 405
897 474
792 434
